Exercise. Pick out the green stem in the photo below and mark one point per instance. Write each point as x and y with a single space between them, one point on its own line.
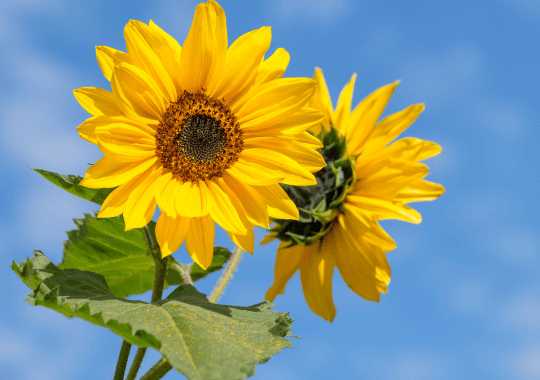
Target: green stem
159 370
186 274
227 275
122 361
157 292
137 361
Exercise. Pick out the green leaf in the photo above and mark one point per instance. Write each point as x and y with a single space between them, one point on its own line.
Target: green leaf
198 338
70 183
102 246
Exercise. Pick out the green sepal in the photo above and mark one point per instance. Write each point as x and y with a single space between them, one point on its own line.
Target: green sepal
321 203
200 339
70 183
102 246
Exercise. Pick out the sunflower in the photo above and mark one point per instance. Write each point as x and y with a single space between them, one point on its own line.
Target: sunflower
368 178
206 131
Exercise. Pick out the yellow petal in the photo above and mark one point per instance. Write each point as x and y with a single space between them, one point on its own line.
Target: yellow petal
171 233
97 101
246 242
316 270
115 202
254 174
321 101
241 65
205 47
253 203
362 120
141 204
166 189
274 67
137 94
287 263
200 240
143 43
273 102
420 190
391 126
223 211
356 266
343 108
386 183
126 140
108 172
353 219
87 130
299 122
108 58
382 209
193 199
170 57
307 157
280 165
278 202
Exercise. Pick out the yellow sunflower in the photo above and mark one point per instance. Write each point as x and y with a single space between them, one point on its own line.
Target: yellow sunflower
368 178
207 132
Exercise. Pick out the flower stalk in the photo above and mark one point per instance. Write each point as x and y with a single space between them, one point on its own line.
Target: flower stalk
227 275
122 361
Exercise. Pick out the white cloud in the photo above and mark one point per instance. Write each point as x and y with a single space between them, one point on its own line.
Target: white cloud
503 120
322 11
443 77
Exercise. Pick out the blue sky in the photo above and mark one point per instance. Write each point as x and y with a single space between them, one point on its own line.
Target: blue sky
464 301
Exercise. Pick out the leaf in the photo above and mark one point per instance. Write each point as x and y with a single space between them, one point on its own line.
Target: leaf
70 183
200 339
102 246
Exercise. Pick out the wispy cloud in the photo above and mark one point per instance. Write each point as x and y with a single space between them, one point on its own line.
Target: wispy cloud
323 11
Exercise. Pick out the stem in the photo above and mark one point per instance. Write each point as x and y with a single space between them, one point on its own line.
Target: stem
226 276
186 274
158 370
122 361
157 292
136 363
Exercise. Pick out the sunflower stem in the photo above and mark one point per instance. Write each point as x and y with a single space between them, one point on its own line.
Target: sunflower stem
159 370
122 361
157 292
227 275
186 274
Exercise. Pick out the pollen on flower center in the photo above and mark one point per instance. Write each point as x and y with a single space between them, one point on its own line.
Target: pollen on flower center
199 137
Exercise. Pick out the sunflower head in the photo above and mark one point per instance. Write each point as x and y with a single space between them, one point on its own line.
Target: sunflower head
369 177
206 131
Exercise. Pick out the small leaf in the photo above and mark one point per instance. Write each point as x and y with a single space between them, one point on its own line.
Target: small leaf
198 338
70 183
102 246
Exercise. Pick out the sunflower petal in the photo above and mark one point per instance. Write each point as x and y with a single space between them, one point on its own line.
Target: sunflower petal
137 94
171 233
223 211
383 209
321 101
246 242
343 108
193 199
253 203
420 190
97 101
108 172
143 43
108 58
287 263
278 202
364 117
126 140
141 204
200 240
316 270
274 101
274 67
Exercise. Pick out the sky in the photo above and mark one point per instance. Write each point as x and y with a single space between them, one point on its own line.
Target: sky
464 301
